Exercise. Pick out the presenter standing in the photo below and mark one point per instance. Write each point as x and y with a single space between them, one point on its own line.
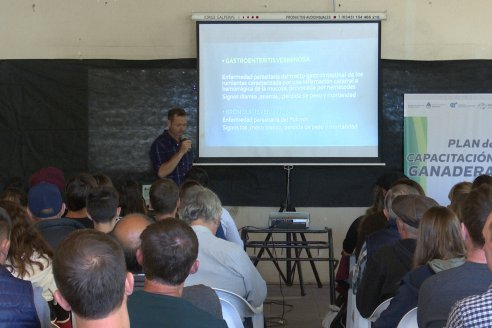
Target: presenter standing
170 152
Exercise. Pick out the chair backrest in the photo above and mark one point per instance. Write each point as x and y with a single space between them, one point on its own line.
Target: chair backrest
230 315
138 281
377 312
409 320
242 306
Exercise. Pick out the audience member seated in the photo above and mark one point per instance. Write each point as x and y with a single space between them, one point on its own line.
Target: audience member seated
439 292
384 237
102 208
103 180
51 175
90 272
29 256
14 194
439 248
223 264
481 180
385 269
476 311
76 192
127 231
22 304
457 196
374 214
131 198
160 303
45 206
227 224
164 198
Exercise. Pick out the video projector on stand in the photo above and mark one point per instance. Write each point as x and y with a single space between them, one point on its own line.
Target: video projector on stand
288 220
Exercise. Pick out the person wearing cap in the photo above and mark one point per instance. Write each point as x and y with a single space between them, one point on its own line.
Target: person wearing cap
388 265
45 206
439 292
50 174
171 153
384 237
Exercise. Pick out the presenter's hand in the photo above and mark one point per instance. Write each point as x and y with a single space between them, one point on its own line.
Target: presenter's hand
185 146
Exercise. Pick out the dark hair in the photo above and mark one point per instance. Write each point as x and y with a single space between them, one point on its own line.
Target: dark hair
89 270
164 194
439 236
5 224
169 249
15 194
185 186
411 183
131 199
198 174
103 180
77 189
477 207
176 111
25 240
483 179
102 204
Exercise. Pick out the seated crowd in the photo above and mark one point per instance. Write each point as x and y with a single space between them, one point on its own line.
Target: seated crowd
84 253
425 256
69 259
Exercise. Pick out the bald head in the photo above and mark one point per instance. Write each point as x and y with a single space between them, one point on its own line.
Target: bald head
127 232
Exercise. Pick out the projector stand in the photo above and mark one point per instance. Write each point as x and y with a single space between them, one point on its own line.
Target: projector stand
287 205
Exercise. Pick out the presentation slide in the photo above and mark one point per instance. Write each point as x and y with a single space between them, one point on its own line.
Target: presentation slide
288 90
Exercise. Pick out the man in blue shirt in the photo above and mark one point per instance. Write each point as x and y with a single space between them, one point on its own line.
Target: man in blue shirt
170 152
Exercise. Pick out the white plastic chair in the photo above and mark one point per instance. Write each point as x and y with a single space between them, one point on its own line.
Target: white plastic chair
230 315
377 312
409 320
243 308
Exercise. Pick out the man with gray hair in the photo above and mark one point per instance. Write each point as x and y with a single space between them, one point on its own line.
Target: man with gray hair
223 264
389 264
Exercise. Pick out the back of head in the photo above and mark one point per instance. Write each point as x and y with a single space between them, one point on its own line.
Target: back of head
15 194
169 249
457 195
44 201
127 232
102 204
164 194
439 236
411 183
25 240
77 189
198 174
395 191
476 209
483 179
410 209
89 270
48 174
103 180
200 203
131 198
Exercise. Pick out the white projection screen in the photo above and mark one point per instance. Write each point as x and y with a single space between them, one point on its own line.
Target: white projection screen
289 92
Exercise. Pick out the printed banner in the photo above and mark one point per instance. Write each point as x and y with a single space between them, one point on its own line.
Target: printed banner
447 139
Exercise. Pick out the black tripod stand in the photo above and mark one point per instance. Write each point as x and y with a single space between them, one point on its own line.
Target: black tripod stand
287 205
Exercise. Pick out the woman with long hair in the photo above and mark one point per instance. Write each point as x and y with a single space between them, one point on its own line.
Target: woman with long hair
30 256
439 247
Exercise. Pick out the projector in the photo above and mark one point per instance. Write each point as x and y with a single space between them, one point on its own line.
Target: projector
288 220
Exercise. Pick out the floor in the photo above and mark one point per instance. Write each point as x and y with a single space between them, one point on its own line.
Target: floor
299 311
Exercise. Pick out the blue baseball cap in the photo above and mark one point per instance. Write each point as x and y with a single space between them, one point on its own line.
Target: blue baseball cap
44 200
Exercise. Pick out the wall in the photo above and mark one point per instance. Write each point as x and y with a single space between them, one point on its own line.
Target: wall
163 29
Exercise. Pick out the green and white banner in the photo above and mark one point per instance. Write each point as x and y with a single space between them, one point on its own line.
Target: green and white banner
447 139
